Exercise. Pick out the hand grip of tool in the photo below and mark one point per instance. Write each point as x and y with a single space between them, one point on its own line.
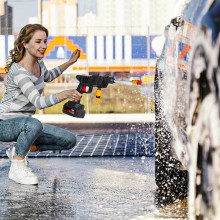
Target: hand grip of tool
74 108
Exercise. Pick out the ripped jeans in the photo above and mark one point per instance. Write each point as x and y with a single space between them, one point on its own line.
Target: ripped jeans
26 131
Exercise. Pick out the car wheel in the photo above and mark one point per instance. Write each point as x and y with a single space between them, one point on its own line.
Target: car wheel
204 135
204 168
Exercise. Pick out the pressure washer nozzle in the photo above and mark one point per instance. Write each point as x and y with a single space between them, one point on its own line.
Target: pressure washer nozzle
136 82
97 100
98 95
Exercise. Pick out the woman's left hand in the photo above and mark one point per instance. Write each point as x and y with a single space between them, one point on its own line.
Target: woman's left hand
75 55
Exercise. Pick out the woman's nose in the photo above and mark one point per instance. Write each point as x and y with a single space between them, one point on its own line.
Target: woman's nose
43 45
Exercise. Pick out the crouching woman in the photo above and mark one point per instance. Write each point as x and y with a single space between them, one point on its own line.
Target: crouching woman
25 83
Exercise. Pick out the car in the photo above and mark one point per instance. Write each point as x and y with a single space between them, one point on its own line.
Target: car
187 110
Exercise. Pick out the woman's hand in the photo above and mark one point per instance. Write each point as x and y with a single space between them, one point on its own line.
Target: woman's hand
75 55
76 96
69 94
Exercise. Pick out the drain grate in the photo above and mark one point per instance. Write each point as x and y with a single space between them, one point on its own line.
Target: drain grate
132 144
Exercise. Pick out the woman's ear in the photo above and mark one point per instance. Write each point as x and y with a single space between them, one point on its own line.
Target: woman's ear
25 45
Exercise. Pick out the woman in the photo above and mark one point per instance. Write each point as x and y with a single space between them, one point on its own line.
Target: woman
25 83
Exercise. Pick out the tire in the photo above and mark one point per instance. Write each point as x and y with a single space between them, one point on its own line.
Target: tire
204 171
204 135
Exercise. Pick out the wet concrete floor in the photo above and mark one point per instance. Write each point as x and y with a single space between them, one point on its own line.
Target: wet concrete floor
84 188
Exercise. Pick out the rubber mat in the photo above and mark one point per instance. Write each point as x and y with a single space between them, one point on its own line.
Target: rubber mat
132 144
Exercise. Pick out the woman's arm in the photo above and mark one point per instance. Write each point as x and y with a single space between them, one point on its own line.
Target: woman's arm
74 57
50 75
31 93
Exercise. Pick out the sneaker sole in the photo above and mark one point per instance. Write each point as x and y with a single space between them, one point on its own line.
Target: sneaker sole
30 182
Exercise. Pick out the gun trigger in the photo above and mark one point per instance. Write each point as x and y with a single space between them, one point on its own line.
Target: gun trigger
83 89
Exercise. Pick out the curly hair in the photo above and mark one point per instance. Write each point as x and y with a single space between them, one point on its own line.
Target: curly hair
25 35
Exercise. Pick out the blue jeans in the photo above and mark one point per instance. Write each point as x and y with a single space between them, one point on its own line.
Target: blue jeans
26 131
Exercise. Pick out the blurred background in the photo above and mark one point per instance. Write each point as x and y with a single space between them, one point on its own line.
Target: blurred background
120 38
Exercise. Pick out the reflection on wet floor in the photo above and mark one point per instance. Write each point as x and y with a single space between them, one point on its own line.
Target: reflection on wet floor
87 188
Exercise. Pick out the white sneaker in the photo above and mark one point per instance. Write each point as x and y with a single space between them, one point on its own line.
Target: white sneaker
10 153
20 173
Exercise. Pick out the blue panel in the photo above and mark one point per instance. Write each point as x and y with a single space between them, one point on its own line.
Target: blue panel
49 38
139 47
105 47
123 47
80 41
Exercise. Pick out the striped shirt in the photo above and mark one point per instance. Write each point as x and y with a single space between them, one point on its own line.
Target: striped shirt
23 91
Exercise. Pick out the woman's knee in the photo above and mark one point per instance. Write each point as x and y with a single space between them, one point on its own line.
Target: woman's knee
34 124
70 140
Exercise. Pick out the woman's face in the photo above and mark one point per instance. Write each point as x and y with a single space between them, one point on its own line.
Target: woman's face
37 46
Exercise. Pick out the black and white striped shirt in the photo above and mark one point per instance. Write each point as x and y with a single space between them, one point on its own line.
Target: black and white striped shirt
23 91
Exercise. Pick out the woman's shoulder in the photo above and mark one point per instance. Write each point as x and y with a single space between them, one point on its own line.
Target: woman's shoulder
16 69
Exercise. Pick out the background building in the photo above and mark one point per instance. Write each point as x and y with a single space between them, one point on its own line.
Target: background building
117 36
86 17
6 18
59 16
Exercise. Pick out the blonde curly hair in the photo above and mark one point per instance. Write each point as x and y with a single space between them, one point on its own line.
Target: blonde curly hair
25 35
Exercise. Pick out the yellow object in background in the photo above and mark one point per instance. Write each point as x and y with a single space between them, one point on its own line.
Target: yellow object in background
147 79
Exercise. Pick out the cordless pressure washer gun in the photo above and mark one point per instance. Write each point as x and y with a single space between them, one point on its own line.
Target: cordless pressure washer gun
86 84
